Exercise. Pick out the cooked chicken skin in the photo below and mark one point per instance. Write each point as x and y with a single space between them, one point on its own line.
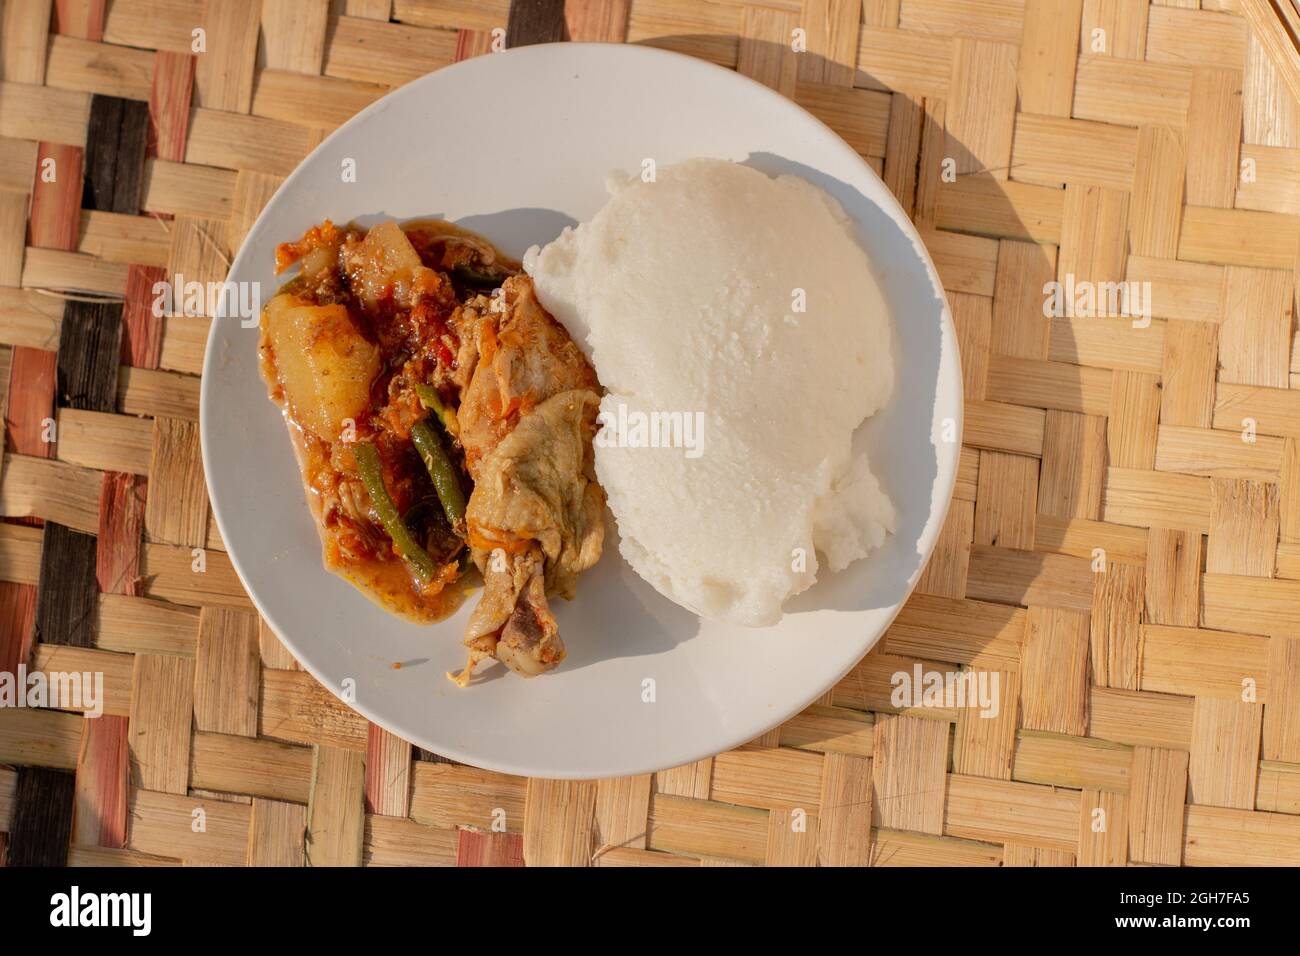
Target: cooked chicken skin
527 415
513 622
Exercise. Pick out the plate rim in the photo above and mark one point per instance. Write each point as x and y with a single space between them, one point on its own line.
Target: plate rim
890 205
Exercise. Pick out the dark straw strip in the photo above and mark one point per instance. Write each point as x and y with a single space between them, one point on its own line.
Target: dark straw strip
66 597
116 142
535 21
42 817
90 350
102 134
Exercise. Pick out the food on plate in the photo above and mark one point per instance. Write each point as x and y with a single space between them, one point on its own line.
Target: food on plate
719 297
442 420
535 521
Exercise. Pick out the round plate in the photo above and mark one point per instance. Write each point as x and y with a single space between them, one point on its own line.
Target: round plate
517 145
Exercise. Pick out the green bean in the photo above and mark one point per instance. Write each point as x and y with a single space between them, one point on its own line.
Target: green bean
372 476
430 399
477 278
443 472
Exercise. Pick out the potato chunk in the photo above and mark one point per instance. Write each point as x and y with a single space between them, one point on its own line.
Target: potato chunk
385 261
324 364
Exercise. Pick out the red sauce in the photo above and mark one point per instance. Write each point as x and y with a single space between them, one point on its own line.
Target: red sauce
415 344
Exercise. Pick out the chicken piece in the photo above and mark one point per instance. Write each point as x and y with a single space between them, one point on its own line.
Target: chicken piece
513 622
513 356
528 409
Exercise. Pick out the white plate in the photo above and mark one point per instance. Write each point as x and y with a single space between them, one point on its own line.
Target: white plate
516 145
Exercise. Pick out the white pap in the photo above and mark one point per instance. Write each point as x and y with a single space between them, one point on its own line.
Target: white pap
741 335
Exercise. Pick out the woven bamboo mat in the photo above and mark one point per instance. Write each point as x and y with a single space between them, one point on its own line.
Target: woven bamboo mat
1123 552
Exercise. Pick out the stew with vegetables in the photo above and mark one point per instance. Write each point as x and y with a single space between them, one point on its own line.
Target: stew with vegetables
443 422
